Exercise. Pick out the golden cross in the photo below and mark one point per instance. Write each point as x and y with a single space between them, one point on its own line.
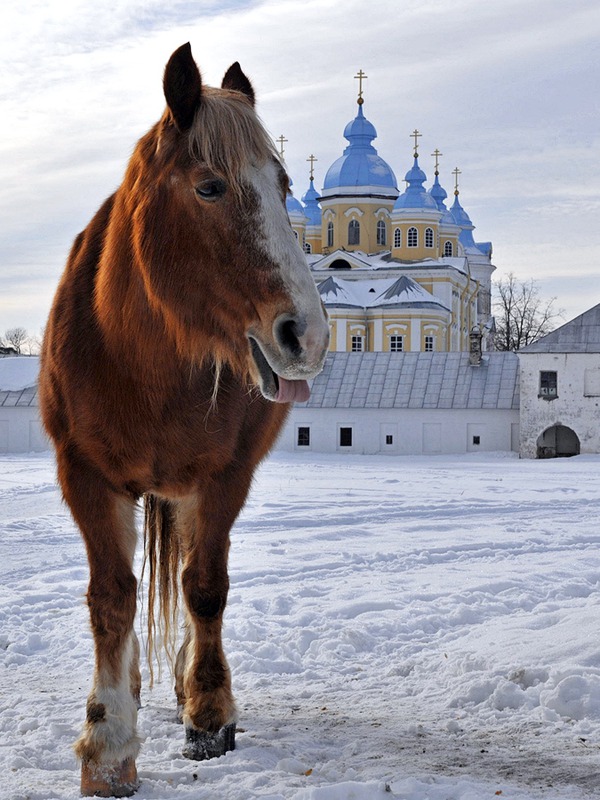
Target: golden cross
360 76
417 135
436 153
456 172
282 140
312 160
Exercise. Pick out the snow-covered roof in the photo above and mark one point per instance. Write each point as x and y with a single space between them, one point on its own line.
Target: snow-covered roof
580 335
416 380
403 291
18 381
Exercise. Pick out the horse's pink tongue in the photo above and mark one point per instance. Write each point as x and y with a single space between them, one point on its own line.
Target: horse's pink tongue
292 391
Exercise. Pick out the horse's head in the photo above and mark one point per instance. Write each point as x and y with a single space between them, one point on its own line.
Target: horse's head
219 258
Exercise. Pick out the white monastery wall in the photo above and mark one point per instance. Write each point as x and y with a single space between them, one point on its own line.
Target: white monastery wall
576 406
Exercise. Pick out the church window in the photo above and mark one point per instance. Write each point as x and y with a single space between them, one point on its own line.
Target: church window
448 249
548 385
296 234
413 237
397 238
330 234
345 437
307 248
428 237
354 232
381 232
303 437
429 342
389 439
356 343
396 344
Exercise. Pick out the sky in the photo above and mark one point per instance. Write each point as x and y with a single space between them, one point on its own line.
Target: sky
506 90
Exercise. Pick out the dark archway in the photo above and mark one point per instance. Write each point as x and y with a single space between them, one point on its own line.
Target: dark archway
558 442
339 263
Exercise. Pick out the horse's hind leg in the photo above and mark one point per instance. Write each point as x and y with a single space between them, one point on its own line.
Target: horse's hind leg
204 522
108 744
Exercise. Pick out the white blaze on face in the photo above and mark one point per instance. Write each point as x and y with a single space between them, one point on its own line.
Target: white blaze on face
282 248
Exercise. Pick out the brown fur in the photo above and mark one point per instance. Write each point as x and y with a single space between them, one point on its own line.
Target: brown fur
146 390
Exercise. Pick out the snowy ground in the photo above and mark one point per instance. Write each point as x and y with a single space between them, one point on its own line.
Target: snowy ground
414 628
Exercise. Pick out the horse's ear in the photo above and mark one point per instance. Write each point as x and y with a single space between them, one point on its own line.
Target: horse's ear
182 86
235 79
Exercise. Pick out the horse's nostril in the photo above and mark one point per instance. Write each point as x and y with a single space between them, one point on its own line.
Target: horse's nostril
287 333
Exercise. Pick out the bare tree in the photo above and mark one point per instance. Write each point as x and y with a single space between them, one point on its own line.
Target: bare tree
15 337
521 315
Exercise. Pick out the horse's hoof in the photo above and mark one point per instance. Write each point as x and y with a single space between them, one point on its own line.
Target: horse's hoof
109 780
201 745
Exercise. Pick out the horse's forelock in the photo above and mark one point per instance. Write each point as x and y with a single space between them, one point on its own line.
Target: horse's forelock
228 136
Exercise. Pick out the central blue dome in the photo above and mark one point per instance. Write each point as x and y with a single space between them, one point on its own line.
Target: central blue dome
360 166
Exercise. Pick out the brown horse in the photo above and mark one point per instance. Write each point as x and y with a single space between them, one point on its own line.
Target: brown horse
185 323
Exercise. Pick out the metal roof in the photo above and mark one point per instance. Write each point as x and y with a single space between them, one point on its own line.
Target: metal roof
580 335
416 380
24 397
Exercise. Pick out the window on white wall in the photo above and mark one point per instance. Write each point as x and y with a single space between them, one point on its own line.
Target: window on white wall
303 438
345 437
548 385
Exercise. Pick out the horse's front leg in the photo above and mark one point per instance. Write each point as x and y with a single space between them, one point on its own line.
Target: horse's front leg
209 713
108 744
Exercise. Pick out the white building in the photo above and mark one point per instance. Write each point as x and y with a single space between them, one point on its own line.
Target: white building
21 429
560 390
409 404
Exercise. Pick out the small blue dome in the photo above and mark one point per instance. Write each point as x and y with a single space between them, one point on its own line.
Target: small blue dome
459 215
415 195
293 206
360 165
439 194
312 210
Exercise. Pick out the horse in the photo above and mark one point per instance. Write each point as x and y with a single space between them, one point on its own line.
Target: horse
184 326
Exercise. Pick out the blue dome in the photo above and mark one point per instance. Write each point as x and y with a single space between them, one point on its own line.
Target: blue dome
439 194
459 215
415 195
360 165
293 205
312 210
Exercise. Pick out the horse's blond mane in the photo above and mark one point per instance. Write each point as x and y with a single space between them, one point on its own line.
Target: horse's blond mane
228 136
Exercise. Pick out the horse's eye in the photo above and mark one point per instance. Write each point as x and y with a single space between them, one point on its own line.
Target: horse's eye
211 189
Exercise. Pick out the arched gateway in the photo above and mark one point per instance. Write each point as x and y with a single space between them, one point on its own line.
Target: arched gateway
558 442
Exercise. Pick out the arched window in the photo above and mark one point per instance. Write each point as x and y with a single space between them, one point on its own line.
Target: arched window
397 238
296 234
307 248
330 234
413 237
428 237
381 232
354 232
448 249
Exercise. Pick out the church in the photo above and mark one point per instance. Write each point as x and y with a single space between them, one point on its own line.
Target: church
408 293
397 271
